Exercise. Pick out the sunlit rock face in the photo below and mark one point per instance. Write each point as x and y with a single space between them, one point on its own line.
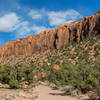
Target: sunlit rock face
55 38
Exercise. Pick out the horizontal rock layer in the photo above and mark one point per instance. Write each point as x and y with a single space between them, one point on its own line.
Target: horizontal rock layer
55 38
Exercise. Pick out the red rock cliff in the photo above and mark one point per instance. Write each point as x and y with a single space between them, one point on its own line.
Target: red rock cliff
55 38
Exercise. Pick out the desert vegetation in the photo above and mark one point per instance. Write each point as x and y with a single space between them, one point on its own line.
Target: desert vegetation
76 65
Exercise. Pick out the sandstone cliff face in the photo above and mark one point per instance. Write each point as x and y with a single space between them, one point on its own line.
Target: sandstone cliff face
55 38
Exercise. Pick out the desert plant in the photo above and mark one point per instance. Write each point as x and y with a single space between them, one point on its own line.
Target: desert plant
13 83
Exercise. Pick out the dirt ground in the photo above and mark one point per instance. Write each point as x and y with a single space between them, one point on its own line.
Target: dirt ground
46 93
41 92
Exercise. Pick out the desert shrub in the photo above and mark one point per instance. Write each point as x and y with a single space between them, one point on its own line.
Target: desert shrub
13 75
21 75
30 77
89 77
82 76
5 74
5 78
13 83
58 77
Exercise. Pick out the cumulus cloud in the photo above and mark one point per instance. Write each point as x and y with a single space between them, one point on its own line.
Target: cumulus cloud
9 22
27 29
12 23
23 30
61 17
35 14
56 18
38 29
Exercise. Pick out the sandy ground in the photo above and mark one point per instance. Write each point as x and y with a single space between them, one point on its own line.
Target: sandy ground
46 93
42 92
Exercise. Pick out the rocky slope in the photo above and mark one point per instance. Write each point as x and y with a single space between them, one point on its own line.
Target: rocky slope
89 49
55 38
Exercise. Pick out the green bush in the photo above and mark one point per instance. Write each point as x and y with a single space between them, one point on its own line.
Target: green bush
58 77
83 76
13 75
5 74
13 83
20 75
5 78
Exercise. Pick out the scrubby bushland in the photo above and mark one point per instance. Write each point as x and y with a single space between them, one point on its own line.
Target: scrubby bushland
14 75
82 76
79 67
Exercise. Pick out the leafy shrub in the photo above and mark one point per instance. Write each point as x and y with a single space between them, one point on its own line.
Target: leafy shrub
13 83
83 76
57 77
21 75
5 73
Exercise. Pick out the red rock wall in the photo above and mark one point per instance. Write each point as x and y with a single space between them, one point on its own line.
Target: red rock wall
55 38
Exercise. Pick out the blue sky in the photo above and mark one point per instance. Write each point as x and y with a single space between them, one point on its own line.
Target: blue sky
20 18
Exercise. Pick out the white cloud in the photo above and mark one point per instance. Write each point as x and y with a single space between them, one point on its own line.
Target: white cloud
61 17
56 17
23 30
35 14
26 29
9 22
38 29
12 22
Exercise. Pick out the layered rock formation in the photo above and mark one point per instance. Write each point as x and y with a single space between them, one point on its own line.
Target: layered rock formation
55 38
